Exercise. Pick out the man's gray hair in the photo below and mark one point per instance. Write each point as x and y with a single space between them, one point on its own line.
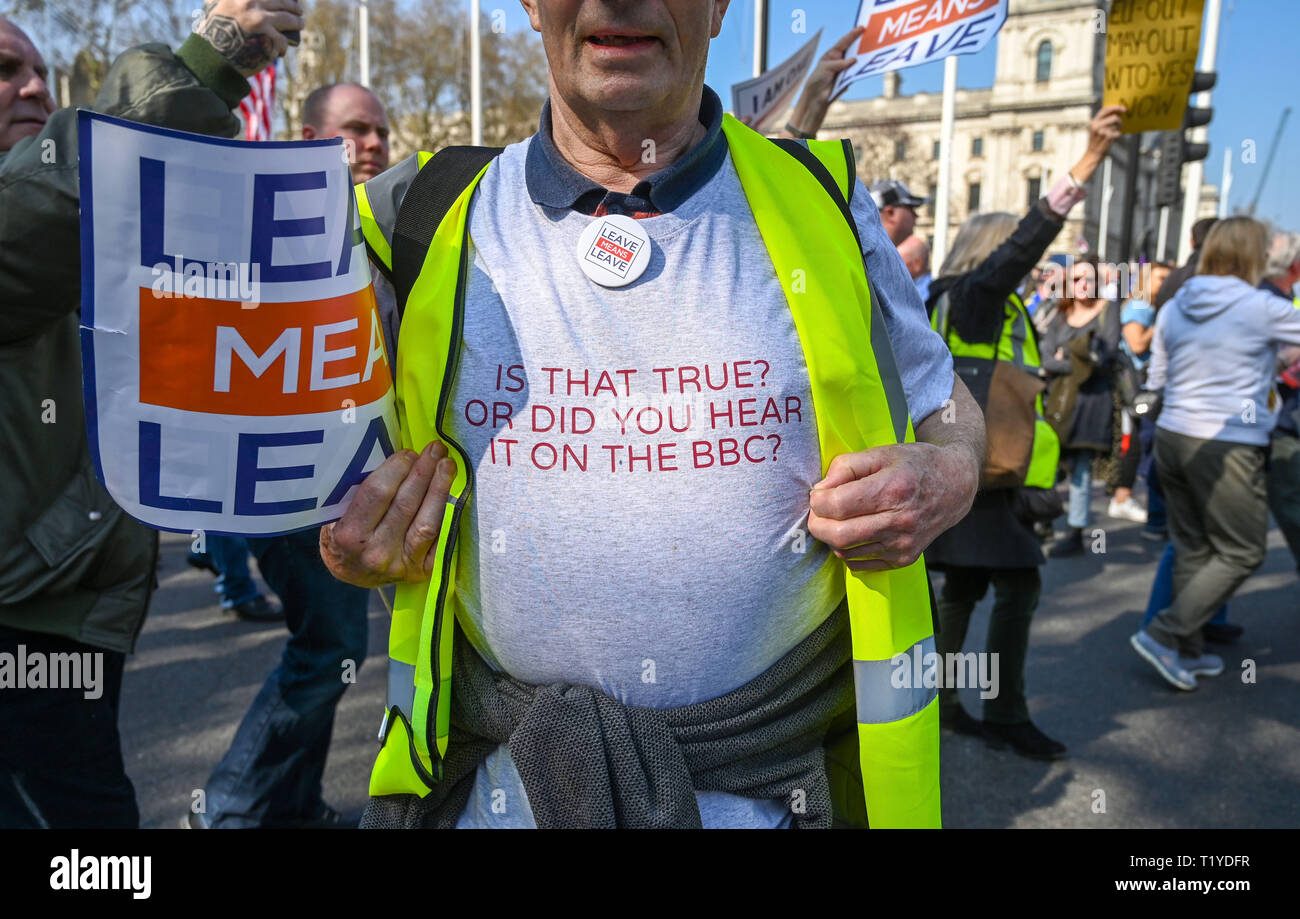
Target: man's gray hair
1283 252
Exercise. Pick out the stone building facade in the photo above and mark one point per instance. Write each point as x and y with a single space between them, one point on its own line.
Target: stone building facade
1014 139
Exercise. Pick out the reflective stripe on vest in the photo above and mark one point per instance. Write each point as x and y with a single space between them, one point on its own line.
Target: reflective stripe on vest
1016 343
858 403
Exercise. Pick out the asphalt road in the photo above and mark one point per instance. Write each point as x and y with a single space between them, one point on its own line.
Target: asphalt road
1142 754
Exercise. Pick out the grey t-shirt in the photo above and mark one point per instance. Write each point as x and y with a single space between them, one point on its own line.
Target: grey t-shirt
643 457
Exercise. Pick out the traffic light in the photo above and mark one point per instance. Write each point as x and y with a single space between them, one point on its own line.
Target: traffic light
1169 172
1176 149
1198 118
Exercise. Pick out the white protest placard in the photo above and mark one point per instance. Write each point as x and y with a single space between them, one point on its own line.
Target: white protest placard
905 33
235 373
756 100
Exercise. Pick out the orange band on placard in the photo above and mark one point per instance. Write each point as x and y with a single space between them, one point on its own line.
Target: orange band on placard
202 355
900 23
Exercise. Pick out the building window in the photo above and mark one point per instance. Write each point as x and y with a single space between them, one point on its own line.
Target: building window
935 155
977 146
973 199
934 198
857 153
900 151
1044 62
1038 141
1035 190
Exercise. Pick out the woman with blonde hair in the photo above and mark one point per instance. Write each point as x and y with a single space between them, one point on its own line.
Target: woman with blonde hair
1213 358
971 301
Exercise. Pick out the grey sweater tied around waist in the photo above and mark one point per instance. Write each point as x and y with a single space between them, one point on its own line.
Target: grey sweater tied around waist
589 761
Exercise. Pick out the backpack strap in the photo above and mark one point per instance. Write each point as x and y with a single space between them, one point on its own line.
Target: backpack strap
431 194
813 163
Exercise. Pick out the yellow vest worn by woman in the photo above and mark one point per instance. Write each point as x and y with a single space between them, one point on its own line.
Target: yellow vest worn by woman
859 403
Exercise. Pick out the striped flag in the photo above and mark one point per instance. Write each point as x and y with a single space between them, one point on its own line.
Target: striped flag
257 107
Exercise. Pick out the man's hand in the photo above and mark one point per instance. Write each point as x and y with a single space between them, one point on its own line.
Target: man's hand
250 34
1103 131
810 111
388 530
882 507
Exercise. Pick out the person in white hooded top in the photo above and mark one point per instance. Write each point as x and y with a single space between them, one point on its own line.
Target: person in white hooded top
1213 356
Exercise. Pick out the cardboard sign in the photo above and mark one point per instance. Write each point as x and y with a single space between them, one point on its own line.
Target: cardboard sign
905 33
235 373
755 101
1151 50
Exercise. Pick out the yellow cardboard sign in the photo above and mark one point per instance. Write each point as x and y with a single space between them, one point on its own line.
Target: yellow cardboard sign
1151 48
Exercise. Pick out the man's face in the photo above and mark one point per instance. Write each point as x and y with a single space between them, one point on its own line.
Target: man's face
357 116
898 222
25 102
913 256
621 56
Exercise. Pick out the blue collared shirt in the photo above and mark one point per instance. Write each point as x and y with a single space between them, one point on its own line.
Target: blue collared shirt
552 182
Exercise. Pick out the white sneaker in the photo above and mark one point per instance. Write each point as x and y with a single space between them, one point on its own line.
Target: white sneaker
1129 510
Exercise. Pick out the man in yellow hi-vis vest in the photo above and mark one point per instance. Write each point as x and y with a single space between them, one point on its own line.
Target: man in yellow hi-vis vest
658 521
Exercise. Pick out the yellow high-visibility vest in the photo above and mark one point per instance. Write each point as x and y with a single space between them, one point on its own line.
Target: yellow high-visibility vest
1018 345
859 404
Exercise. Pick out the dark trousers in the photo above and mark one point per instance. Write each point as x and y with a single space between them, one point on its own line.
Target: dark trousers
1218 522
274 766
1015 597
1284 489
60 752
1130 458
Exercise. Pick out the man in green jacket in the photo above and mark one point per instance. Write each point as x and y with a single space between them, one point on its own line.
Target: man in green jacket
75 572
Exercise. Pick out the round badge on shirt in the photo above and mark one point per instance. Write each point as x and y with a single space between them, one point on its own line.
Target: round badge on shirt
613 251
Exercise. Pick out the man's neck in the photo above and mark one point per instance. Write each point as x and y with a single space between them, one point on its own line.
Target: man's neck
621 149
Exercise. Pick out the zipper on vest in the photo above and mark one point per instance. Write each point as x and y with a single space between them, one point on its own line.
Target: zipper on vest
444 396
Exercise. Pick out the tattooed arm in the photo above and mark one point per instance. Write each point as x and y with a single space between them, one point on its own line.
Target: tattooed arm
250 34
192 89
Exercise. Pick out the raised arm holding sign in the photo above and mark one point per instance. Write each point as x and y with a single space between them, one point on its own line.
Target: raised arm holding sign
906 33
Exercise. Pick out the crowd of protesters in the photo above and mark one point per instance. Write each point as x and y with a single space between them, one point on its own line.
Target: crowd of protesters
1184 378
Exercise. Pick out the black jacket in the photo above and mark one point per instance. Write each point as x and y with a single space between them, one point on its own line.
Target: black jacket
1176 279
1094 409
991 536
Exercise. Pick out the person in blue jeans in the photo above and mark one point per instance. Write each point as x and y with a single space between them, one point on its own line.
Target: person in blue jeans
271 775
1162 594
227 558
1157 525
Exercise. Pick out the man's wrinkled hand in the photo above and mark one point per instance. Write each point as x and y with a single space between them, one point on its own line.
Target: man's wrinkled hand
389 530
882 507
250 34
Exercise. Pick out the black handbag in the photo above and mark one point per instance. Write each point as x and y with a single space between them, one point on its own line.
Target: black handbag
1036 505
